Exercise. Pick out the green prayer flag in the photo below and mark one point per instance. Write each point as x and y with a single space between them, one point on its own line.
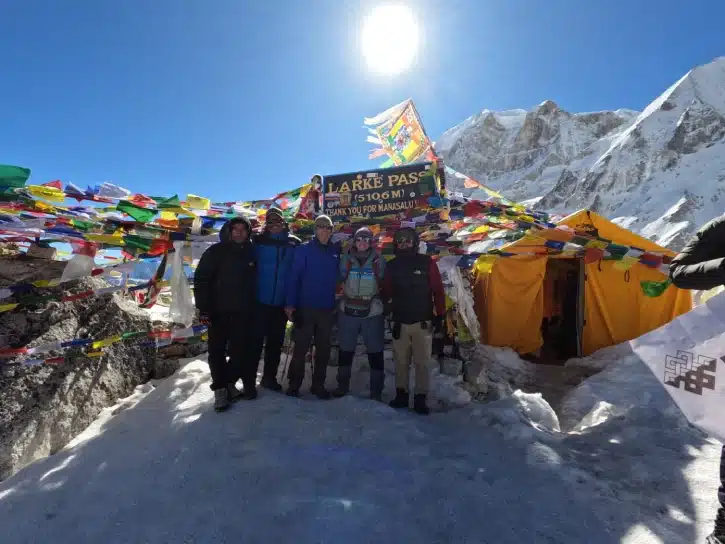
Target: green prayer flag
137 242
165 203
655 288
142 215
13 177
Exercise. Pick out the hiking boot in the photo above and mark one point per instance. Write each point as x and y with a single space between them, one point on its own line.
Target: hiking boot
419 405
221 400
249 393
321 393
233 394
293 393
401 399
272 384
344 374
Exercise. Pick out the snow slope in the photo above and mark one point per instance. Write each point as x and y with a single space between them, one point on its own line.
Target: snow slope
660 172
166 468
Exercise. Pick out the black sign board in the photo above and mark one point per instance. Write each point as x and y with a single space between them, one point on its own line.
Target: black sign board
384 191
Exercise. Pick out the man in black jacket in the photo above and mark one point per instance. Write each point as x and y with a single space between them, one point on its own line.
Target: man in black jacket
413 291
225 295
701 266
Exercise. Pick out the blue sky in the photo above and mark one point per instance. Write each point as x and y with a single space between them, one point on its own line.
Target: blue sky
240 99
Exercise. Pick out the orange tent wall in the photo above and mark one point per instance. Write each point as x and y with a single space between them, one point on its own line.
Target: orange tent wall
616 309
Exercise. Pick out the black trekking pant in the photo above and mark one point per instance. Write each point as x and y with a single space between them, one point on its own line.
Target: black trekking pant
311 323
270 324
230 334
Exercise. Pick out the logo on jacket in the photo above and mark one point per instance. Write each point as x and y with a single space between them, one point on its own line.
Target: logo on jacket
694 373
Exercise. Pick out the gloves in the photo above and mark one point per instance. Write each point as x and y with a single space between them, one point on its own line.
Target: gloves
204 318
437 322
395 332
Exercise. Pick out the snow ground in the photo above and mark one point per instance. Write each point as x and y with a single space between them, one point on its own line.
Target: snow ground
161 466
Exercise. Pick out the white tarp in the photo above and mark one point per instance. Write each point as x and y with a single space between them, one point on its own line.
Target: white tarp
688 356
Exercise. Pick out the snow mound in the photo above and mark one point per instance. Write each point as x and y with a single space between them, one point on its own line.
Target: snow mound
447 391
496 373
626 386
521 416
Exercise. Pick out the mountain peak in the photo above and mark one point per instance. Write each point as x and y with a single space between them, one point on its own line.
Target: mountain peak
634 167
547 107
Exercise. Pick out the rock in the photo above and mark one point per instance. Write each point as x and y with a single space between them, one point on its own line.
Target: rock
43 407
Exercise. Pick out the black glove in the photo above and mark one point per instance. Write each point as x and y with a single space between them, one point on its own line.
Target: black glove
396 330
437 322
204 318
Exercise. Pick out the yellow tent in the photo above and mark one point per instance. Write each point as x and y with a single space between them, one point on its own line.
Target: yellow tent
591 306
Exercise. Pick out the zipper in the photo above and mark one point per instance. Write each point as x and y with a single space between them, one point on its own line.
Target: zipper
276 271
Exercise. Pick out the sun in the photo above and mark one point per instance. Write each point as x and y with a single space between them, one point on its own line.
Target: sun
390 39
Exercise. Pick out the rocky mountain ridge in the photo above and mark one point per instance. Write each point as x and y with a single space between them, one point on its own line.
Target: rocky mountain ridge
659 172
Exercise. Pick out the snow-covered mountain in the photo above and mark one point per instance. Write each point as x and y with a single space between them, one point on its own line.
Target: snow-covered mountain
660 172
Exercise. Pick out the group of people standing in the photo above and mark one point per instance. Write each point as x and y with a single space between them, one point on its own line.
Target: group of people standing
247 287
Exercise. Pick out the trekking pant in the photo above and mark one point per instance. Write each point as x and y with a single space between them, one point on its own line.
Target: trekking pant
270 323
311 323
229 334
371 328
413 340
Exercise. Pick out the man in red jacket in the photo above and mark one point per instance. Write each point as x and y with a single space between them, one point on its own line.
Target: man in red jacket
413 290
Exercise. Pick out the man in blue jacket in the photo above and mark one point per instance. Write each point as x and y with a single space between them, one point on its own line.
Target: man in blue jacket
310 305
275 250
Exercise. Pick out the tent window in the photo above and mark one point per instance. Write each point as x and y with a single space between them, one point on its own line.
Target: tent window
560 328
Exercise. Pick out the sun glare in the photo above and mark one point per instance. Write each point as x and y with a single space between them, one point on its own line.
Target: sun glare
390 39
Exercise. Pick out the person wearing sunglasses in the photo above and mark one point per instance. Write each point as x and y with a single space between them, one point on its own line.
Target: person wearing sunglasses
274 248
361 313
310 306
225 295
413 290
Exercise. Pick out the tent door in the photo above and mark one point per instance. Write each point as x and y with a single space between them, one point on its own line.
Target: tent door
580 315
563 322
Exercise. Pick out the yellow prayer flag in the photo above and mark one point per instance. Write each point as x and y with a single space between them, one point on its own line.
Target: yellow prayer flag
484 264
168 216
305 189
97 353
481 230
596 244
44 207
626 263
115 239
106 342
7 307
198 202
49 193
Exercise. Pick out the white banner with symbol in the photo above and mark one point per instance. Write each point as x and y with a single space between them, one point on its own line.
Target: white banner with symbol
688 356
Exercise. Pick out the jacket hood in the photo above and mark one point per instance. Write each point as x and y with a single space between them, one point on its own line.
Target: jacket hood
224 235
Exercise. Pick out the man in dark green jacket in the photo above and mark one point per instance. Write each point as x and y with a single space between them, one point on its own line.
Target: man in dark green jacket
701 266
225 295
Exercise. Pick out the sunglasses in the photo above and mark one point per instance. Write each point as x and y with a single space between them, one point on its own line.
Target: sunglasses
363 239
405 240
324 227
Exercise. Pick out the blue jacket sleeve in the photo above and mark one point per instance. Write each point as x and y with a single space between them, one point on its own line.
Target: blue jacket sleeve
295 277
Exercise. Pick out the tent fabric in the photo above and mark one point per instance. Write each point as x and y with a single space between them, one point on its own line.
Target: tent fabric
617 310
509 302
510 299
